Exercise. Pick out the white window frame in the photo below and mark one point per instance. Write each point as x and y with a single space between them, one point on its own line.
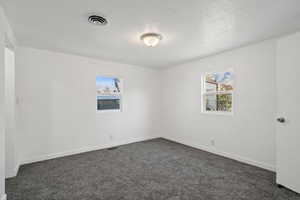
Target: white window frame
121 96
204 93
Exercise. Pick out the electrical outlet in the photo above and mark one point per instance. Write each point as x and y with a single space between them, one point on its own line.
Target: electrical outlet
18 100
212 142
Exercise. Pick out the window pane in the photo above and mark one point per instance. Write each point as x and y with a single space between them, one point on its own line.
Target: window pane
219 82
218 102
224 102
211 87
108 93
210 102
110 103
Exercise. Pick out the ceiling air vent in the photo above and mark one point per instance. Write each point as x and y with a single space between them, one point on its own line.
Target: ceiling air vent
98 20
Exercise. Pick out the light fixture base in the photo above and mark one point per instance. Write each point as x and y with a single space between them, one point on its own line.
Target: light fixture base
151 39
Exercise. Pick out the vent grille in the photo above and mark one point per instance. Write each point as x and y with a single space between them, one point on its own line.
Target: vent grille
112 148
98 20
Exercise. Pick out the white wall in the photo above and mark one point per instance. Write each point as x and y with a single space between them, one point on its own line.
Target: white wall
6 37
2 113
57 115
56 111
248 135
11 160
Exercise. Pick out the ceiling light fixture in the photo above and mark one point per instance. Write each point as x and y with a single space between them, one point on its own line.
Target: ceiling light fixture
151 39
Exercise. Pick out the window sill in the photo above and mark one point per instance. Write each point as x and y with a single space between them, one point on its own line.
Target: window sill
109 111
218 113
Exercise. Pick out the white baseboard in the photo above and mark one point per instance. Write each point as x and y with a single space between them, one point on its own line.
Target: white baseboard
4 197
227 155
82 150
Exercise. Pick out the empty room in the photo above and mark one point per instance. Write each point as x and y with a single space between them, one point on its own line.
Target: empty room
149 100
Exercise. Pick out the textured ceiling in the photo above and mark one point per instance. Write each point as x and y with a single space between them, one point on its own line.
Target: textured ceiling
190 28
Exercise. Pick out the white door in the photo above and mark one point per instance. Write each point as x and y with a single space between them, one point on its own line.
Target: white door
288 112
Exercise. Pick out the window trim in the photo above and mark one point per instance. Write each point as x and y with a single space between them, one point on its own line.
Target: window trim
203 93
121 95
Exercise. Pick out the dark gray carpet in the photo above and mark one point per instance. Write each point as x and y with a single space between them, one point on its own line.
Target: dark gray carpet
151 170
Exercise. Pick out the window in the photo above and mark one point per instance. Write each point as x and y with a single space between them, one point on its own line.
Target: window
217 92
108 93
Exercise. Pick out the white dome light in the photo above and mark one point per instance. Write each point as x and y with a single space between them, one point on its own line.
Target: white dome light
151 39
